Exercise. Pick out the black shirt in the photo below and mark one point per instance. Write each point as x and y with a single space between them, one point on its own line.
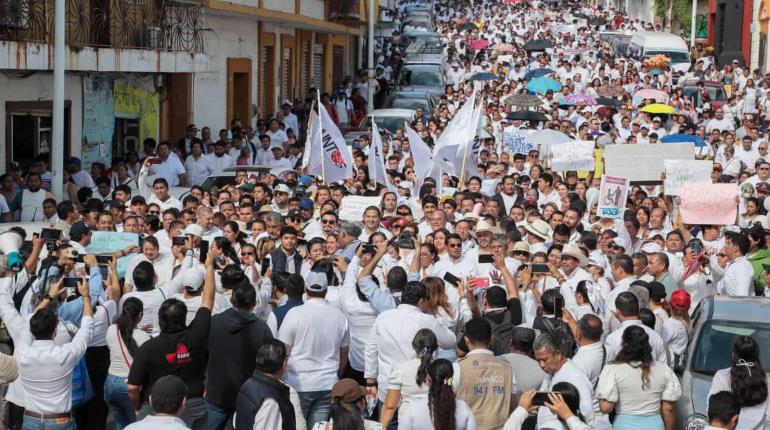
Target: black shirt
183 354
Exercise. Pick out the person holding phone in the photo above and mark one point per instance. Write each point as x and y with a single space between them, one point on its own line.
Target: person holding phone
563 401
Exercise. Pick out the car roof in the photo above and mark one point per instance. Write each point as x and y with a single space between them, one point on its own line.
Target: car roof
392 112
416 66
661 39
412 94
740 309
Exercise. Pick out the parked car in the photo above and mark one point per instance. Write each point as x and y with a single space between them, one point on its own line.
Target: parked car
421 43
715 324
411 100
715 90
422 77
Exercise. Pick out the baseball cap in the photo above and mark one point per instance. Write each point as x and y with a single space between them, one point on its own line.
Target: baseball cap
621 242
168 389
347 390
306 203
192 279
680 300
80 228
294 213
651 248
282 188
316 282
305 180
194 229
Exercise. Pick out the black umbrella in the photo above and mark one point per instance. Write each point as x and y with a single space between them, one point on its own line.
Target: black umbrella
597 21
526 115
537 45
608 101
485 76
468 26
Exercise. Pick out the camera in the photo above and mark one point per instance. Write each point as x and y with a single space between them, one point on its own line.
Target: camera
50 234
405 240
178 241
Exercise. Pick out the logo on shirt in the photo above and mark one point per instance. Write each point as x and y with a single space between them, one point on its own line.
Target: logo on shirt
180 356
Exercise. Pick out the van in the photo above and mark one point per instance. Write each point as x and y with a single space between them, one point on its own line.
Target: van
645 44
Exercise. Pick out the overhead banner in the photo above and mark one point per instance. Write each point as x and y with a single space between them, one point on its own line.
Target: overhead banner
353 207
613 194
573 155
679 172
643 163
708 204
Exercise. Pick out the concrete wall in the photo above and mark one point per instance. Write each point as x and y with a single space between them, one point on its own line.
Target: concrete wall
231 37
312 8
39 87
280 5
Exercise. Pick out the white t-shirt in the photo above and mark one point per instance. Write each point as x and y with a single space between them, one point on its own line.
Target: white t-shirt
169 170
119 353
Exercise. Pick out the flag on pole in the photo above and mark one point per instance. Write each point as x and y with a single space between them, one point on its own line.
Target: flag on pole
457 133
336 162
377 161
468 153
307 156
423 160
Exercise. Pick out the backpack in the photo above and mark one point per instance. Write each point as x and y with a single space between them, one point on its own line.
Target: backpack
501 334
562 333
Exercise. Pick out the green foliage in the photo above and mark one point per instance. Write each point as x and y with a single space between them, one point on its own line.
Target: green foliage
681 10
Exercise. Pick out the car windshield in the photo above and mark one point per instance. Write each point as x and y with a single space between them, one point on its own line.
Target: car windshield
390 123
409 103
675 56
715 93
422 78
715 343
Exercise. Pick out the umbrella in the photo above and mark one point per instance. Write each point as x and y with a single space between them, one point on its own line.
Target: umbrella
552 1
547 137
503 47
468 26
596 21
611 90
523 100
608 101
485 76
543 84
574 99
532 74
537 45
684 138
478 44
527 115
651 93
658 108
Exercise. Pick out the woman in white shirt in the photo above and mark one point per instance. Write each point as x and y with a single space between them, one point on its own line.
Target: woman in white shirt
747 380
407 379
123 341
676 330
637 387
439 410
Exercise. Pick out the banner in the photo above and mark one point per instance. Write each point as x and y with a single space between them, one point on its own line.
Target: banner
574 155
103 242
680 172
336 161
98 122
643 163
423 160
613 194
377 161
709 204
516 142
353 207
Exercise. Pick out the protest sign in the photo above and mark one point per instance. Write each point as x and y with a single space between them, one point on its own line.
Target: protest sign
613 193
573 155
353 207
643 163
707 203
516 142
103 242
679 172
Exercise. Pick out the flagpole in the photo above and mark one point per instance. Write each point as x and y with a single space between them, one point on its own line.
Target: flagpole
320 124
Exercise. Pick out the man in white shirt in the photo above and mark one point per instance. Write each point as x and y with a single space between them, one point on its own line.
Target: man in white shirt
623 273
391 337
80 177
738 279
627 312
591 355
197 165
318 336
278 137
290 120
264 153
167 399
219 160
167 166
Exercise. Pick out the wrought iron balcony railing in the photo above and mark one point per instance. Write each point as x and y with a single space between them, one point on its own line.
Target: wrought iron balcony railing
165 25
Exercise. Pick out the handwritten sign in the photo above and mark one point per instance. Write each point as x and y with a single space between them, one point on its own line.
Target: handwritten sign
679 172
577 155
103 242
516 142
353 207
613 194
710 204
643 163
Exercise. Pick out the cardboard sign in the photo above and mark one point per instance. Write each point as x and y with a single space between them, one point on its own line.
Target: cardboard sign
643 163
679 172
516 142
353 207
710 204
574 155
103 242
612 197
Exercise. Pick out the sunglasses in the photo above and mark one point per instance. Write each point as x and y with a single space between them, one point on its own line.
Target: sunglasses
244 254
404 213
520 253
153 213
328 221
454 245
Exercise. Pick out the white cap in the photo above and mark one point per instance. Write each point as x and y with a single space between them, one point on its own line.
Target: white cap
406 184
282 188
194 229
651 248
316 281
192 279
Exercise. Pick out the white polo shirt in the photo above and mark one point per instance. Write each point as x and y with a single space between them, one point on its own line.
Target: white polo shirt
169 170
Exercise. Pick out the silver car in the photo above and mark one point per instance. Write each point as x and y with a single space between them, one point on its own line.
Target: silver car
716 322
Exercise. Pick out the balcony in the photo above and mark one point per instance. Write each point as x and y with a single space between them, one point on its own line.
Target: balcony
105 35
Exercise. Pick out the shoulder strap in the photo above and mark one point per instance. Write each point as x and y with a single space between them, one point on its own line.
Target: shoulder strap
122 350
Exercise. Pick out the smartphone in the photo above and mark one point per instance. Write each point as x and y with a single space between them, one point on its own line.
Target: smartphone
558 307
369 248
540 268
265 265
204 250
178 241
103 260
71 282
540 398
479 282
485 258
452 279
50 234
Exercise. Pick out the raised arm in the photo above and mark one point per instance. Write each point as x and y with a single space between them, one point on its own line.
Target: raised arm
34 255
209 285
510 283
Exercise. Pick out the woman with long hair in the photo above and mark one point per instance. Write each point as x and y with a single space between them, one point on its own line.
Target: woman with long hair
123 340
407 379
642 391
747 380
439 410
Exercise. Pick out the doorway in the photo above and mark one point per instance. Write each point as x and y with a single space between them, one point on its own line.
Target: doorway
126 137
28 131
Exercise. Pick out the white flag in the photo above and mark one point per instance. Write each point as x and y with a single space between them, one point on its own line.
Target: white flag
336 160
307 156
468 154
377 161
456 133
423 161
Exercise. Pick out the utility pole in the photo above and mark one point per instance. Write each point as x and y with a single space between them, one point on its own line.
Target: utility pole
370 60
692 23
57 134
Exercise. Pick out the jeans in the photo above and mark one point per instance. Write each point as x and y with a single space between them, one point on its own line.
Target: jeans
116 396
393 421
217 416
32 423
195 415
316 406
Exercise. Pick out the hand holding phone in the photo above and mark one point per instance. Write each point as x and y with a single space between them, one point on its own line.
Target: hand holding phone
540 399
558 307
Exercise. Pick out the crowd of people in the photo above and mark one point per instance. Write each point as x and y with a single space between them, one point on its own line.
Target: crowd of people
492 297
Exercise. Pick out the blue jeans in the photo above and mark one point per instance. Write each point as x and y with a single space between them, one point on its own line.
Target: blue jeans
116 397
217 416
316 406
32 423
